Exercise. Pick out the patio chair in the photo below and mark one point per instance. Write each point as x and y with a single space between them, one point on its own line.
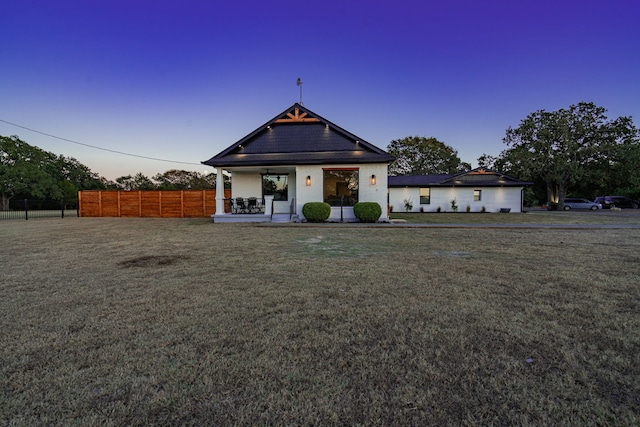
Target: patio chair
240 205
252 205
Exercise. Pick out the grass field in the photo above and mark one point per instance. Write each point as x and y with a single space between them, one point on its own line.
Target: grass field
109 321
538 216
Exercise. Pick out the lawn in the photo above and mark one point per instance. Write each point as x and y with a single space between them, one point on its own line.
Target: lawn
109 321
536 216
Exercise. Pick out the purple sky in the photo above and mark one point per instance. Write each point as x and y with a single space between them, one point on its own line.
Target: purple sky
183 80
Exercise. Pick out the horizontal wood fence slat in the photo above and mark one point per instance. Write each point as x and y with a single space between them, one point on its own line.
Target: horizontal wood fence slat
151 204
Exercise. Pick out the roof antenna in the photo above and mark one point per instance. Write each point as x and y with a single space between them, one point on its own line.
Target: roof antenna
299 83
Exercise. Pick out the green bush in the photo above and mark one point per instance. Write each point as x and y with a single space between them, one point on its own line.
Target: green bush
367 211
316 211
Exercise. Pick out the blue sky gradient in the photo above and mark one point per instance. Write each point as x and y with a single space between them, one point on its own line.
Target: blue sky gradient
183 80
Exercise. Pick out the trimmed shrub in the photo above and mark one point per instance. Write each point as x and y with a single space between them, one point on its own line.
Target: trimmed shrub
316 211
367 211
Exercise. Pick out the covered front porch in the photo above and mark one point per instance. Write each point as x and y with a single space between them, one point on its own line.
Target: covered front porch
258 195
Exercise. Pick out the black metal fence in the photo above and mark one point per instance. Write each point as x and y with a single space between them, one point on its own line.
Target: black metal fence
29 208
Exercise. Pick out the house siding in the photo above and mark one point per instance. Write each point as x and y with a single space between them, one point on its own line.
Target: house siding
493 199
246 184
366 192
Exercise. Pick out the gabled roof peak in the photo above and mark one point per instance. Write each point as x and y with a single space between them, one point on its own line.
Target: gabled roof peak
296 114
299 136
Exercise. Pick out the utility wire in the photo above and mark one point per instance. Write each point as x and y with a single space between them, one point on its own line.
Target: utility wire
98 148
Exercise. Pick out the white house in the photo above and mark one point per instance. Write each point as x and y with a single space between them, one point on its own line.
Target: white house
479 190
295 158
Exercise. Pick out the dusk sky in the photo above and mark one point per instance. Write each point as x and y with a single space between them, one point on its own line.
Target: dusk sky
182 80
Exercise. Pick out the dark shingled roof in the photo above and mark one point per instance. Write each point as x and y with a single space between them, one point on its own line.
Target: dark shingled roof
416 180
298 136
476 178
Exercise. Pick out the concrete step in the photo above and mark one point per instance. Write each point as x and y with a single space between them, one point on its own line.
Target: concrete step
281 217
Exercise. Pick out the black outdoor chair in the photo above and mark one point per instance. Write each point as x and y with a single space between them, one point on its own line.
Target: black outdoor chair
240 205
252 205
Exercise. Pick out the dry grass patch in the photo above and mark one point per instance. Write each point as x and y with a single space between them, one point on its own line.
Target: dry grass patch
150 321
150 261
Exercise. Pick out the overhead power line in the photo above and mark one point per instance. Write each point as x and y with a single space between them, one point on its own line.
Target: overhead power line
98 148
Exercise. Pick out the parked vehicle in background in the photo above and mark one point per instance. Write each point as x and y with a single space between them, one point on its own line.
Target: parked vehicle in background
617 201
577 203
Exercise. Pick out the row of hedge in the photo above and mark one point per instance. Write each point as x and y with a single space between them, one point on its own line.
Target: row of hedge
320 211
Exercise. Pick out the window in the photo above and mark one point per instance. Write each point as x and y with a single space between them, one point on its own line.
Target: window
341 187
477 195
276 186
425 196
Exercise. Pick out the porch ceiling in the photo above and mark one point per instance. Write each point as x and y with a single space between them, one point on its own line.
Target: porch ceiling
260 169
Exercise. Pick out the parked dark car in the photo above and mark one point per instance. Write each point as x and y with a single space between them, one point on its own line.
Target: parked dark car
617 201
577 203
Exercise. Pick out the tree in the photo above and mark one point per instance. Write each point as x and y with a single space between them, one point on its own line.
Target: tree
83 178
564 147
24 171
28 171
107 184
184 180
136 182
624 178
418 155
487 161
72 176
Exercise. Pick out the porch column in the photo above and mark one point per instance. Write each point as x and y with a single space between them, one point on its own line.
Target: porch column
268 204
219 192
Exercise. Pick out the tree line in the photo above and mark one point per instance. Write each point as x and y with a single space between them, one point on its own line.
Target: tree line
575 152
173 179
29 172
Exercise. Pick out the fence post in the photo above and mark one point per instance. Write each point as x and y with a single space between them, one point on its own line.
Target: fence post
26 206
62 206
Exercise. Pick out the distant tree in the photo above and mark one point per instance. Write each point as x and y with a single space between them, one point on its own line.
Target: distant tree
136 182
418 155
624 175
78 174
487 161
125 183
142 182
617 174
73 176
174 180
210 179
184 180
562 148
24 171
107 184
28 171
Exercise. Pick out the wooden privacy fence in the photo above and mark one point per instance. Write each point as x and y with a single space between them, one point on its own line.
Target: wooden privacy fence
158 204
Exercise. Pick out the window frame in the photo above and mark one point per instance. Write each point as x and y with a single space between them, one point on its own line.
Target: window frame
427 197
333 198
284 190
477 195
